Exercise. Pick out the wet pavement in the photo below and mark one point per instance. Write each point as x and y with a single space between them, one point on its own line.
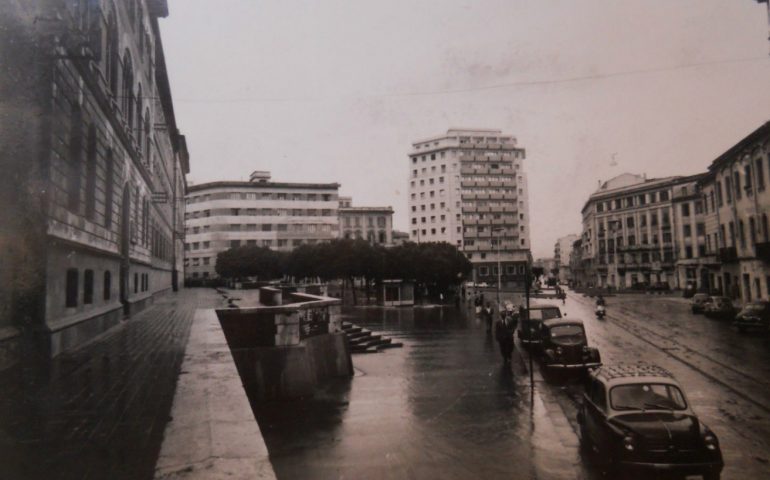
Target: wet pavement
99 412
444 406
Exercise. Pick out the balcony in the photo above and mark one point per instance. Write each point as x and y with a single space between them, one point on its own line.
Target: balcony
763 251
728 255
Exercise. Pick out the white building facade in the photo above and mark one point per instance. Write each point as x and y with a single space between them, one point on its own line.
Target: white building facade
468 187
277 215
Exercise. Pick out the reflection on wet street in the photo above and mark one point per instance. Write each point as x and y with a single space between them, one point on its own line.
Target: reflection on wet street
444 406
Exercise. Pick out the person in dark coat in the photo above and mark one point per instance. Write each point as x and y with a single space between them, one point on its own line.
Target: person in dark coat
504 329
487 315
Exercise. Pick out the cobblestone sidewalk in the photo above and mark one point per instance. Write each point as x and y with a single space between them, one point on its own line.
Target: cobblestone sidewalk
99 412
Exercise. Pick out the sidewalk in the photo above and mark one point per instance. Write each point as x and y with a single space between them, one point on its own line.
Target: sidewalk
100 411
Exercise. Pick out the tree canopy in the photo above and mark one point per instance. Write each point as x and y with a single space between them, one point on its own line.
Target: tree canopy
437 264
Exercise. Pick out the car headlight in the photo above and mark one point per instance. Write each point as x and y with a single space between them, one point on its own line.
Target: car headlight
628 443
559 351
710 440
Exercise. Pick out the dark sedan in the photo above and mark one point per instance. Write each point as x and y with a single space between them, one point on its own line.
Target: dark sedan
754 316
721 308
699 302
565 347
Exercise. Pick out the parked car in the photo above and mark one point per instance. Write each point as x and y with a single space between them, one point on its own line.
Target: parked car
699 302
721 308
754 316
637 418
530 325
565 347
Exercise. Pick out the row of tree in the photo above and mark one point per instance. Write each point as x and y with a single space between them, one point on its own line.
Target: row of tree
434 267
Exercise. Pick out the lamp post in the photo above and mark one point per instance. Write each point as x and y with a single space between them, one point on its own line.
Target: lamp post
499 266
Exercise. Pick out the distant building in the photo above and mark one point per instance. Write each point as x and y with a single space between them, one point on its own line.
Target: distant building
576 264
399 238
628 232
94 170
561 254
467 187
278 215
373 224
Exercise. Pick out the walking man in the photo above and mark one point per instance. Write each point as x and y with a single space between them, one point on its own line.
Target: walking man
504 329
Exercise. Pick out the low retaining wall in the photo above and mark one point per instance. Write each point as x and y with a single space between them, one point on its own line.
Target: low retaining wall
286 351
213 432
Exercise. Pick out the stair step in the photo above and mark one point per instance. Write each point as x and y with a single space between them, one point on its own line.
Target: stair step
390 345
363 350
363 334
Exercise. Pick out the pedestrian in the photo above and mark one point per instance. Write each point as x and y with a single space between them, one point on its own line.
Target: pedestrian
487 314
504 333
477 304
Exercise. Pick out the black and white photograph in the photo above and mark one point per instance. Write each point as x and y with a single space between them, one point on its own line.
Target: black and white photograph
411 239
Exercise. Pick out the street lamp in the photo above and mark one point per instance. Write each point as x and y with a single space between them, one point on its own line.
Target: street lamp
499 267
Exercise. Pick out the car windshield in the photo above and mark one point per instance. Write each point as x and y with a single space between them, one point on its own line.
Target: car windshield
572 334
700 296
544 314
647 396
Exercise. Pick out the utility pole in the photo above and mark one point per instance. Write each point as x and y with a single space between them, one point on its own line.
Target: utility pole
525 321
499 271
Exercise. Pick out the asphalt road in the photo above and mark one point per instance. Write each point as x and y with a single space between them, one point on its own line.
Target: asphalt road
444 406
724 373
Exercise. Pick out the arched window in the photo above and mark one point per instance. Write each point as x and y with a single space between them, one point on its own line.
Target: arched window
127 93
148 139
111 54
107 285
764 227
75 159
91 173
741 233
752 231
138 128
109 185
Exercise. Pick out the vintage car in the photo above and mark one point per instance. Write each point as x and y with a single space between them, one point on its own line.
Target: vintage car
699 302
720 307
636 418
754 316
565 348
529 325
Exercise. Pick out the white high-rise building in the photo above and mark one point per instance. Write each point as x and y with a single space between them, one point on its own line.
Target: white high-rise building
467 187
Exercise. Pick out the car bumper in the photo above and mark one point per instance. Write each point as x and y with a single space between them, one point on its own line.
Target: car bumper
676 468
573 366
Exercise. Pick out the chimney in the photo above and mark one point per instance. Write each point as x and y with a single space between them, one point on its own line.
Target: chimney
259 176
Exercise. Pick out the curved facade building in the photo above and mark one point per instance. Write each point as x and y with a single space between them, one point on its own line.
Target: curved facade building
278 215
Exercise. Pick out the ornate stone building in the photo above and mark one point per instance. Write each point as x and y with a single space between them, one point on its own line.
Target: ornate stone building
93 169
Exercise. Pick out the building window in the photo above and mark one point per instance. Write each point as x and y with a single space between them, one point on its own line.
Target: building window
108 188
88 287
737 185
91 173
107 285
136 283
74 160
127 92
235 243
71 288
483 271
685 209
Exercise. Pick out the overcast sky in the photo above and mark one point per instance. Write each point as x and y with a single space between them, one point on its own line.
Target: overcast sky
336 91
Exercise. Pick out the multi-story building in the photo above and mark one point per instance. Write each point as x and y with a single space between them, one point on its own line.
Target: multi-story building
93 169
278 215
697 264
561 256
468 188
576 264
628 232
736 200
374 224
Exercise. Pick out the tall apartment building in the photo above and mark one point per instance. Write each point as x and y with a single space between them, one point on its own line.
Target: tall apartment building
93 170
628 232
374 224
468 188
561 255
278 215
